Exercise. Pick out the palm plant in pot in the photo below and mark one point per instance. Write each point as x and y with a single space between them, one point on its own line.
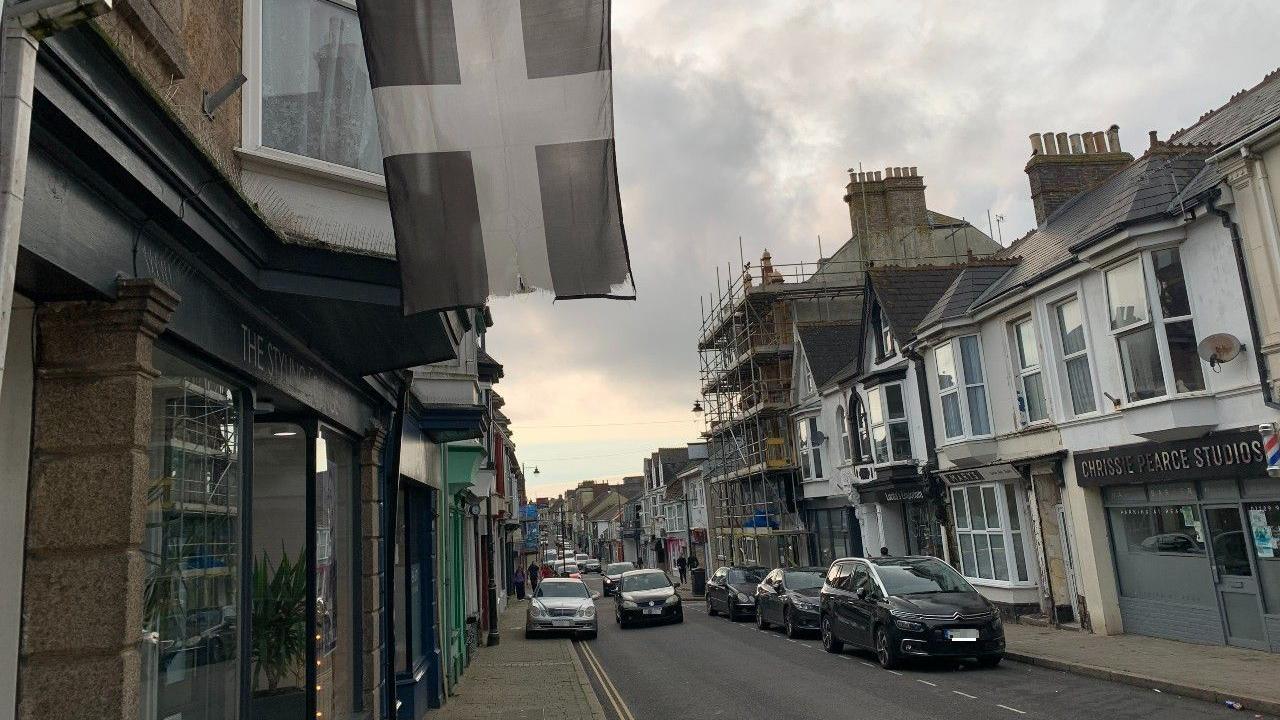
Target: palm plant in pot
279 644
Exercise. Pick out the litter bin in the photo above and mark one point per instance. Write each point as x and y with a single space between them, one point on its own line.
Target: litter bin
699 581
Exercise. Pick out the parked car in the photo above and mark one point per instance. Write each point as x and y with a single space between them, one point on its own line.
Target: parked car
732 590
788 598
591 565
581 559
613 573
646 596
565 568
562 605
908 607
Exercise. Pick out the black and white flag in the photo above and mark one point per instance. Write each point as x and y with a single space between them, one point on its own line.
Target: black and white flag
496 122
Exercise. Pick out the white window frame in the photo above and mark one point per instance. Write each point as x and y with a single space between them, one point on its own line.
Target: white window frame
1155 319
887 348
878 395
1060 349
1022 372
810 454
962 386
251 111
1013 539
846 441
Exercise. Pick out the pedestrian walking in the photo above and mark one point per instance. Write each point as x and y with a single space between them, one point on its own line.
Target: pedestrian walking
533 576
682 564
547 571
519 578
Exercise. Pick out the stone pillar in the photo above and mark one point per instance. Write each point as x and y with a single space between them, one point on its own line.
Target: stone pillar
83 590
371 568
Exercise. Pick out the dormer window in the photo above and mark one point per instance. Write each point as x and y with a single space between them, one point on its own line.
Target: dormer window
884 335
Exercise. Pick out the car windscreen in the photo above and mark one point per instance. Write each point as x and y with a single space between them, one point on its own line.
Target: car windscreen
645 581
737 576
906 577
619 568
802 580
562 590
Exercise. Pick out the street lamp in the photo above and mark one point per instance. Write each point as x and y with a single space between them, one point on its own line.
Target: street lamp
697 406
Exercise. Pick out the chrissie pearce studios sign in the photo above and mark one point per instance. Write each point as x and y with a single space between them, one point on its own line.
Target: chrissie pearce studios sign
1235 453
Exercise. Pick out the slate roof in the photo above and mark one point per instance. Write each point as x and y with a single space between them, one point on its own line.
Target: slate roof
828 348
972 281
1246 111
907 294
673 460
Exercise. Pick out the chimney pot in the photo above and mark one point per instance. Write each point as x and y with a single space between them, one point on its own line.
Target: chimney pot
1100 141
1089 147
1077 147
1050 144
913 171
1037 145
897 172
1063 147
877 176
1113 138
862 177
888 172
1154 136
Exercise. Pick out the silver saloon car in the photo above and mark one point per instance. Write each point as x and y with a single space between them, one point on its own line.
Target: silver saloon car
562 605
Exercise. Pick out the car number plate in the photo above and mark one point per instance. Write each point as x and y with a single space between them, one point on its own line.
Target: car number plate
653 611
561 623
962 635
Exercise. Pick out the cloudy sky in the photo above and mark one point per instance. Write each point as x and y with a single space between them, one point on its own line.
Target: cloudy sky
741 118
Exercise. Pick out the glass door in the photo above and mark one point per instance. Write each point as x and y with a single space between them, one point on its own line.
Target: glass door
1233 576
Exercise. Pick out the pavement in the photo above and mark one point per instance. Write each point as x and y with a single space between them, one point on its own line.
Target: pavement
538 679
1214 673
711 667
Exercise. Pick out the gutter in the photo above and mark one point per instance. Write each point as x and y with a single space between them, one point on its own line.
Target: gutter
1237 244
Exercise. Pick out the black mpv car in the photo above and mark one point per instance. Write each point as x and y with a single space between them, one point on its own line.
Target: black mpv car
645 596
788 598
732 590
908 607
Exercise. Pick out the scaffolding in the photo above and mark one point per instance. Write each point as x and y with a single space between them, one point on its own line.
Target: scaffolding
745 350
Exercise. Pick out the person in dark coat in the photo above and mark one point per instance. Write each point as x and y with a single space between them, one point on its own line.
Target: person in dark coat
533 575
682 564
519 583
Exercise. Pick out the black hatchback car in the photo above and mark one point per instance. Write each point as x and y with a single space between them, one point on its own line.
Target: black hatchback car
788 598
646 596
732 590
908 607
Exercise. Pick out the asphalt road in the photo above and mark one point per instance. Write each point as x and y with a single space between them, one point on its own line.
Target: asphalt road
710 667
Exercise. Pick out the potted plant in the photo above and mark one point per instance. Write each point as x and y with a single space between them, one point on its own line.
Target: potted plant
279 644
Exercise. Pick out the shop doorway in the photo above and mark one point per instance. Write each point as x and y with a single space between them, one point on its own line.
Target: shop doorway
1234 578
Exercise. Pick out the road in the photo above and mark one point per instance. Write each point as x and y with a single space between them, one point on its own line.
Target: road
712 668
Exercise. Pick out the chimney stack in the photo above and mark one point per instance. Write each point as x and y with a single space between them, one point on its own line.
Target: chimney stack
884 207
1071 164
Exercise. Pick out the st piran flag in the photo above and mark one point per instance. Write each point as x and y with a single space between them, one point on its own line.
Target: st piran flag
496 123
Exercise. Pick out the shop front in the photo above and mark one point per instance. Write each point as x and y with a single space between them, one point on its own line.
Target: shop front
898 511
1195 533
833 530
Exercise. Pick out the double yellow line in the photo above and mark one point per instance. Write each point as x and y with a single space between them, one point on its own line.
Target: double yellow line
610 691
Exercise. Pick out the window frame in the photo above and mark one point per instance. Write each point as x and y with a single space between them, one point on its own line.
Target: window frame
1021 372
882 401
1013 538
810 454
961 388
846 437
1064 358
1155 320
251 145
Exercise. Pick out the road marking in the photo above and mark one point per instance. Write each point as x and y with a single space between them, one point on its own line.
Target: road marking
807 645
1006 707
971 697
793 641
866 663
926 682
610 690
895 672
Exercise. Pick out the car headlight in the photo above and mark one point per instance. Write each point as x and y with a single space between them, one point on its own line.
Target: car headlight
627 604
803 604
538 610
743 597
909 626
672 600
587 611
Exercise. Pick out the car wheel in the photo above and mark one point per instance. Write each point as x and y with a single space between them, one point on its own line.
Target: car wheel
733 612
885 652
989 661
787 625
760 621
711 607
830 642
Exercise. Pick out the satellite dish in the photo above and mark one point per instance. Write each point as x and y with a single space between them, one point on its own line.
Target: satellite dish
819 437
1219 348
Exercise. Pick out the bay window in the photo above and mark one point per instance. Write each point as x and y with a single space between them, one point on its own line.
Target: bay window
962 389
1156 341
989 530
887 424
1075 356
810 453
1032 405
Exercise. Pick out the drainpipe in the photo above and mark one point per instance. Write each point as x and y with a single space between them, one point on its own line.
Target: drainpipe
1237 243
24 24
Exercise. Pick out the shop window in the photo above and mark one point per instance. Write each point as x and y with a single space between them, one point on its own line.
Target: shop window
1160 554
315 102
1264 527
810 452
887 424
1033 407
334 553
190 651
1075 356
989 530
962 389
1156 341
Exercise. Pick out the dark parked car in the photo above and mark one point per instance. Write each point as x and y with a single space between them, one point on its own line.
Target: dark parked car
908 607
613 573
646 596
732 590
788 597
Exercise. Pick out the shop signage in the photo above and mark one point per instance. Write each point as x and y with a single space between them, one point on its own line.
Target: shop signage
1271 447
1003 472
1237 453
900 495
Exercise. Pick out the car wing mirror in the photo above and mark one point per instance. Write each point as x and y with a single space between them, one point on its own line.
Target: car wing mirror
595 596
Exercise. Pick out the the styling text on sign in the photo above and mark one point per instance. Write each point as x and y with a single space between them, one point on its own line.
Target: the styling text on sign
1236 453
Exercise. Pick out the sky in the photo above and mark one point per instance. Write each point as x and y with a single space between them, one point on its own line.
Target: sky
741 119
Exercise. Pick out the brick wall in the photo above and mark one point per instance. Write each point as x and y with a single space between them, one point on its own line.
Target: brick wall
1055 179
